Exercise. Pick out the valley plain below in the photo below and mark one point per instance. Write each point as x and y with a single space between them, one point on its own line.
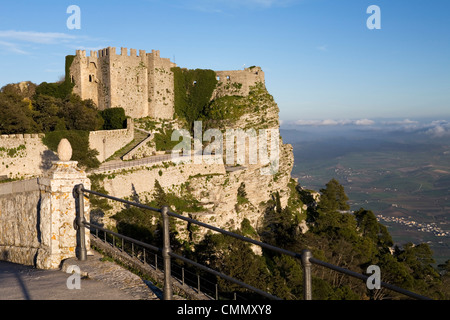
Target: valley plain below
402 174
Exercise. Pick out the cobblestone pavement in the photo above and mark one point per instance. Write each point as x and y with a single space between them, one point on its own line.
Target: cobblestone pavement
115 276
100 280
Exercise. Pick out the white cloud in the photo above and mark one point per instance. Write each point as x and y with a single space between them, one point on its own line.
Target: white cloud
439 129
37 37
364 122
19 41
12 47
219 6
401 122
332 122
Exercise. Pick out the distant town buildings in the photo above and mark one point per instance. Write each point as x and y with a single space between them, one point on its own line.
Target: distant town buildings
422 227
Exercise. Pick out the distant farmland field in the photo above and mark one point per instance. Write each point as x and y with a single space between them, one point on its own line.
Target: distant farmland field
409 180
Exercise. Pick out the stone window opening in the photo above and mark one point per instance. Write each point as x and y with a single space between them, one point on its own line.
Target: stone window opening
228 78
90 78
218 78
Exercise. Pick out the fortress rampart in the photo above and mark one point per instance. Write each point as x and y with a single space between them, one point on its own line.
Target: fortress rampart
238 82
143 85
140 84
107 142
23 155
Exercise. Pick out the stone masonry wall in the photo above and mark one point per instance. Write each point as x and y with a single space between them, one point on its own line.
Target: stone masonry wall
237 82
107 142
161 87
24 156
36 217
19 221
129 82
141 85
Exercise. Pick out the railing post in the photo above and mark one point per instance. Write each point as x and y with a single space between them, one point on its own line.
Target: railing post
81 245
307 288
167 292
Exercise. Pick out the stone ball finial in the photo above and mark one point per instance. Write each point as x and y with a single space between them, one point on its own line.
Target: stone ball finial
64 150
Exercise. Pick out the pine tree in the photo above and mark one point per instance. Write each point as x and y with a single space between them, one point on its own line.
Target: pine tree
333 198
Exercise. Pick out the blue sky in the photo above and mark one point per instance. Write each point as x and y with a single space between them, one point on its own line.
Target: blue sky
320 59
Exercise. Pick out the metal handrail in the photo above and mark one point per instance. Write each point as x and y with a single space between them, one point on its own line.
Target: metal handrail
305 257
183 280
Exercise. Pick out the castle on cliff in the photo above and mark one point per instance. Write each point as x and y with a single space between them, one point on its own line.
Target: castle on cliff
143 85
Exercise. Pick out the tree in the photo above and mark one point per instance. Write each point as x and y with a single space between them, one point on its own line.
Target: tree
47 110
114 118
333 198
369 227
15 115
81 114
159 196
445 278
79 141
234 258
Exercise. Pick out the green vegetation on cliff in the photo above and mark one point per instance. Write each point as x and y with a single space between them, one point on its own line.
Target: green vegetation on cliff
52 109
193 92
353 240
58 90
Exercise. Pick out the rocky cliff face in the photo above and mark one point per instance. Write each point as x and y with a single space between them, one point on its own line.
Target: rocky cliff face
227 193
243 192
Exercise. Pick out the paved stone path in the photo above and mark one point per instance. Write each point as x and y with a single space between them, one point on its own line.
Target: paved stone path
101 280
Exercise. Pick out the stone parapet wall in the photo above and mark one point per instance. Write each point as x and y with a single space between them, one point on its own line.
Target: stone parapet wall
36 217
24 156
19 235
107 142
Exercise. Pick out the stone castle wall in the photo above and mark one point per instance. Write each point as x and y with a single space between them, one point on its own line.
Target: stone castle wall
24 155
107 142
141 85
238 82
161 87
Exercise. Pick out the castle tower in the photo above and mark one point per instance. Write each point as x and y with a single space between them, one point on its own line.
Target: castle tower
161 86
238 82
142 85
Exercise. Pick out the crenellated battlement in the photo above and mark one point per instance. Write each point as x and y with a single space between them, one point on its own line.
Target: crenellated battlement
142 83
139 82
112 51
24 136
